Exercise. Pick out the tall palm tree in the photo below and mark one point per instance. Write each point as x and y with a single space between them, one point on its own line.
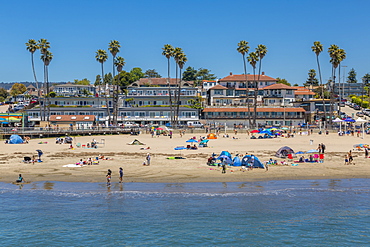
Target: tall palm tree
261 51
102 56
114 49
177 53
168 53
253 59
333 53
46 58
44 45
317 48
181 62
32 46
243 49
119 62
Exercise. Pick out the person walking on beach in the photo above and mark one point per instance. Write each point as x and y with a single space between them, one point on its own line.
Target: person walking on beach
350 158
109 177
120 174
319 148
366 152
148 159
323 148
223 166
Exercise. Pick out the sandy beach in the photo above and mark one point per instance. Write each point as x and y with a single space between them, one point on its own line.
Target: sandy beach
191 169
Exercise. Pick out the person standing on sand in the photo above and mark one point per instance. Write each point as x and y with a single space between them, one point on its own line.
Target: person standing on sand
120 174
109 177
323 148
366 153
148 159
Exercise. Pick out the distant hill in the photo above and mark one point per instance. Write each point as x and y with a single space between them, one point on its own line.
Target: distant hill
8 85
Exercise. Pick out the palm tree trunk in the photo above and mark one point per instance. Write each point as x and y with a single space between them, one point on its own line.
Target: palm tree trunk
37 83
255 94
178 99
48 93
106 98
322 86
169 90
247 85
255 97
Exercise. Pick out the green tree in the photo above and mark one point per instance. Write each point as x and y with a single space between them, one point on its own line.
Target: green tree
32 46
282 81
114 49
46 57
261 51
136 73
243 49
180 62
317 48
352 76
152 73
311 80
3 93
101 56
98 81
43 46
17 89
190 74
84 81
204 74
168 52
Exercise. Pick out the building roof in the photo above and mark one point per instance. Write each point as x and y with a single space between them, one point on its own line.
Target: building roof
69 84
72 118
303 91
218 87
159 82
260 109
232 78
279 86
31 86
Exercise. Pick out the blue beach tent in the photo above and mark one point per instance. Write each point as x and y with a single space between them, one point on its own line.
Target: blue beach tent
226 153
236 161
15 139
257 163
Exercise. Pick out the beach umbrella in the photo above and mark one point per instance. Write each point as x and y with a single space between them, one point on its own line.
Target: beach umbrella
191 140
254 131
338 120
284 128
360 120
273 129
159 128
312 151
299 152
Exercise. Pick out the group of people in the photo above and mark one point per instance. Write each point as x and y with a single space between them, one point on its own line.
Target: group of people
109 176
348 158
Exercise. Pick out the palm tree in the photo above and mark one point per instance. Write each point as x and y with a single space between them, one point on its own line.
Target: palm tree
43 45
168 53
317 48
119 62
243 49
261 51
114 49
177 53
32 46
102 56
253 59
181 62
46 58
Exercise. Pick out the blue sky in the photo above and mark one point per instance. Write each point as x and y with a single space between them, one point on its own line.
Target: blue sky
208 32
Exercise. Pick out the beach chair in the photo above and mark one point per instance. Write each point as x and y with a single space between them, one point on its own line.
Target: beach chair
78 145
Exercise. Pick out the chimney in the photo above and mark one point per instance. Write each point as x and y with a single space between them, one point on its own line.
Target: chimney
231 73
263 73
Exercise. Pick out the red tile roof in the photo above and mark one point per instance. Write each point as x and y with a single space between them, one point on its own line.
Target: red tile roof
249 78
279 86
72 118
260 109
303 91
218 87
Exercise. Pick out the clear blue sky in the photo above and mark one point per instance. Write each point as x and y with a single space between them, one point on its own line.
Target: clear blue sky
208 32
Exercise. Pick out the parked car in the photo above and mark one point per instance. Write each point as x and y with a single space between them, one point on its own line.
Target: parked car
357 107
359 114
130 124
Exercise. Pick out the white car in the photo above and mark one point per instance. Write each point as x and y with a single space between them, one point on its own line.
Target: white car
130 124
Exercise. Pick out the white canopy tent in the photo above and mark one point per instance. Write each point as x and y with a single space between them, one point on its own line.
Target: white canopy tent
362 121
338 120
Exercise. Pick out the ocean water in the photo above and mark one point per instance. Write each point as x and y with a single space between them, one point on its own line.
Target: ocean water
272 213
